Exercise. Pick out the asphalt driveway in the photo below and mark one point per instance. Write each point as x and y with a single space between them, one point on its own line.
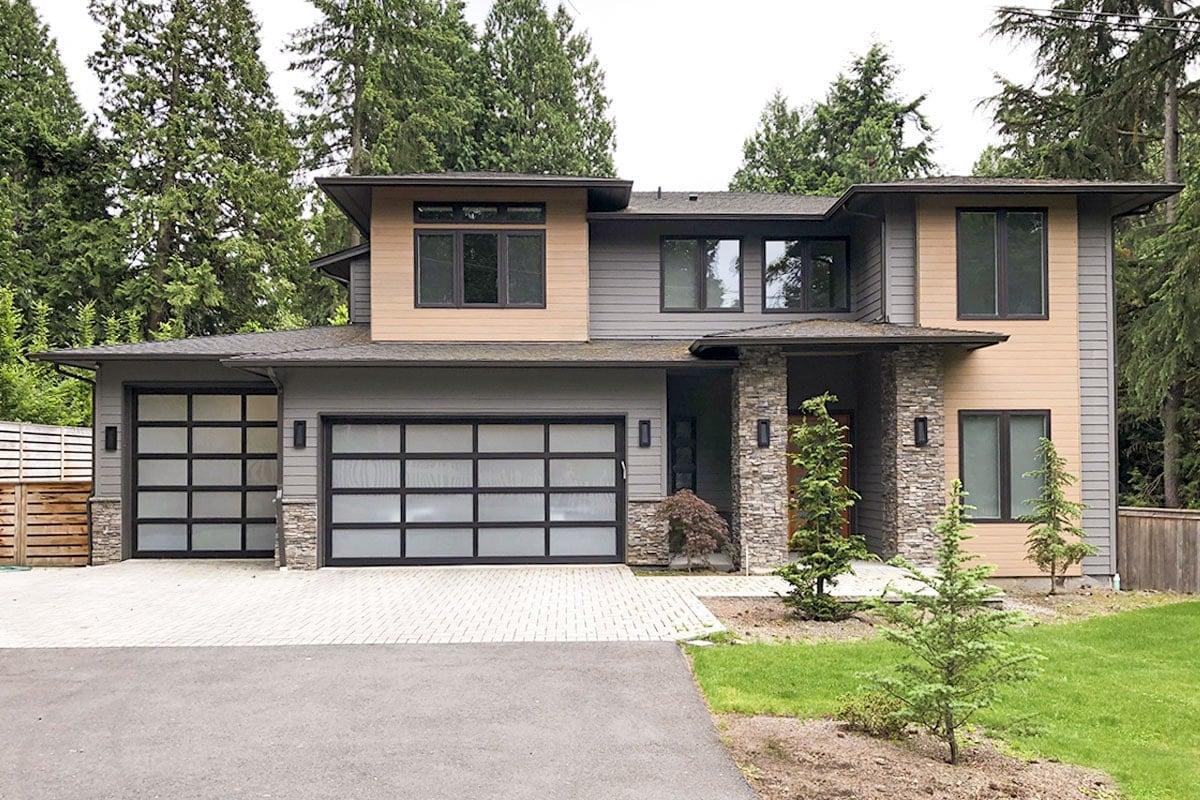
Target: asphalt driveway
573 720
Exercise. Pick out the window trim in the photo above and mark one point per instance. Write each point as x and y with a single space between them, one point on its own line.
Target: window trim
1005 464
1002 262
807 309
701 289
457 217
458 278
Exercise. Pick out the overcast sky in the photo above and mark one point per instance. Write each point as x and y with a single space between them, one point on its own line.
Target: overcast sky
688 78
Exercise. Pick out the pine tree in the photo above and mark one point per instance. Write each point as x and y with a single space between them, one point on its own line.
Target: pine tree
544 105
860 133
1055 540
958 653
205 197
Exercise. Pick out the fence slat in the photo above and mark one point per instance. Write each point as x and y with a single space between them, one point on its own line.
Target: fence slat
1158 549
44 524
30 452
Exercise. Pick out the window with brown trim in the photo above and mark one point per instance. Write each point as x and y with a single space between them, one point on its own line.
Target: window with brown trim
476 267
701 273
1002 263
806 275
997 450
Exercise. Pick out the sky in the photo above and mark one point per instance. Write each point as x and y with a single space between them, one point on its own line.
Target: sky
688 78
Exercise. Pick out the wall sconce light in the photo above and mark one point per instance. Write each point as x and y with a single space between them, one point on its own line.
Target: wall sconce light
921 431
643 433
110 437
764 433
299 434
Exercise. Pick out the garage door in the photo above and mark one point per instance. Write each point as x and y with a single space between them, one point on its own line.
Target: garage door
438 491
205 471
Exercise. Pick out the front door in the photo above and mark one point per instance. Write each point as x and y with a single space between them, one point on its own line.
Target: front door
846 421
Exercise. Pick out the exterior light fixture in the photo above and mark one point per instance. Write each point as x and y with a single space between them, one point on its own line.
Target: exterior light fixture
299 434
643 433
764 433
921 431
110 437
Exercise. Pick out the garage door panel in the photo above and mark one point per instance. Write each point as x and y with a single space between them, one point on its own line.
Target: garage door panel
473 490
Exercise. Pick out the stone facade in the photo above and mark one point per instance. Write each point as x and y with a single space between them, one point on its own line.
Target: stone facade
299 533
106 522
759 474
646 539
914 478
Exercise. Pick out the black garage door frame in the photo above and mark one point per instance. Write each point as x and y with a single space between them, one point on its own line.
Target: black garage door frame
326 514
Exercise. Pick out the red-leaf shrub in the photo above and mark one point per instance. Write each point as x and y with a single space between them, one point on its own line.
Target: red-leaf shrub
695 524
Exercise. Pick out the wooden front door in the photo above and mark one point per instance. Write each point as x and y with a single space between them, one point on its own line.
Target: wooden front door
842 418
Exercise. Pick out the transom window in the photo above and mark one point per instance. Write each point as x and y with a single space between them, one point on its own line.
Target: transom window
484 213
997 449
1002 263
480 268
806 275
701 274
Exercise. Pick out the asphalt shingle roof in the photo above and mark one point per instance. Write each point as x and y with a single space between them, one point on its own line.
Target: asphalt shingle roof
833 331
727 203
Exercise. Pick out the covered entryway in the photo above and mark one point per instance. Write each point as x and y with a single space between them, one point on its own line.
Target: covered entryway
473 490
204 472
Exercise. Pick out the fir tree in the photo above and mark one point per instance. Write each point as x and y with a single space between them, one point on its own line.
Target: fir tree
1055 540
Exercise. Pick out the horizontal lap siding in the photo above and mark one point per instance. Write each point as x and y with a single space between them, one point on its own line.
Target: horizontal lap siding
1037 368
900 253
360 290
634 394
866 264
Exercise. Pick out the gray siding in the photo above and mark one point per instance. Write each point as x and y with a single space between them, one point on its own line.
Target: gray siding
624 277
866 264
631 393
1097 384
360 290
870 515
900 257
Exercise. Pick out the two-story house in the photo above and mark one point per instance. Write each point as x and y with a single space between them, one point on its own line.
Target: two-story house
534 361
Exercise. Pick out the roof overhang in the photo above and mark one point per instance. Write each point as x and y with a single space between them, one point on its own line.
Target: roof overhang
814 336
337 265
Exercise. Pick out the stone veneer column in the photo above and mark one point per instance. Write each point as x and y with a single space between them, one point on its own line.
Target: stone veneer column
106 525
646 540
299 533
914 489
758 475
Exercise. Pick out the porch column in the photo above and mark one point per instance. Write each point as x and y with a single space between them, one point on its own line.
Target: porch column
914 478
759 474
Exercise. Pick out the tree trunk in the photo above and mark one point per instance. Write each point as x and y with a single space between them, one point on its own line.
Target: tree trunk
1170 408
1052 577
951 737
355 165
1170 422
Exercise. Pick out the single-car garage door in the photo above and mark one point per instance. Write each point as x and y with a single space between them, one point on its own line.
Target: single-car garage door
479 490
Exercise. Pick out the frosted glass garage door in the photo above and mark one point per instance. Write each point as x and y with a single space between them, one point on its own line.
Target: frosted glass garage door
473 490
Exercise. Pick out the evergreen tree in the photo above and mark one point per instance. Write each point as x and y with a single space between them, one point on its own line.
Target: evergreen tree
1055 540
544 105
860 133
53 180
205 201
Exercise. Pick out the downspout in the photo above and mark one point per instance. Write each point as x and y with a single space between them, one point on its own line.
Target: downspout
269 374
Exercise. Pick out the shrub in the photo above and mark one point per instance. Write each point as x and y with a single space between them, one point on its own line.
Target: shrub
1055 540
694 525
959 652
821 500
872 712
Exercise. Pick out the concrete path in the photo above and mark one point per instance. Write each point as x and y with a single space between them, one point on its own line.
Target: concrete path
590 721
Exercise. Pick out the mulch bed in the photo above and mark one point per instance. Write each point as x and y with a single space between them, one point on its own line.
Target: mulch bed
768 619
794 759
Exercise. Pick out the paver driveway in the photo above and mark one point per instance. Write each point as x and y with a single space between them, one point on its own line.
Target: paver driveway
470 721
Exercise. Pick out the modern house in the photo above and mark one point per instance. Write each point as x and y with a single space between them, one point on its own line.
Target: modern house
534 361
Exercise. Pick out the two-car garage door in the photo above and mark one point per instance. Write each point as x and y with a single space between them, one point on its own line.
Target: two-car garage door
478 490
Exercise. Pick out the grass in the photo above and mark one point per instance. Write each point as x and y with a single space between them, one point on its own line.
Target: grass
1119 693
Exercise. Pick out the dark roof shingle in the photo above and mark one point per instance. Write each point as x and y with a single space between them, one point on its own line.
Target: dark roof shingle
834 331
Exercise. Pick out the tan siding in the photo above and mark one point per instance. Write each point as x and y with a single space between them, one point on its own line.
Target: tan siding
1037 368
394 315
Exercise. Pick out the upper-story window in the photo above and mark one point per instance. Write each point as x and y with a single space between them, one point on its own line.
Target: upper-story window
481 213
806 275
497 268
701 274
1002 263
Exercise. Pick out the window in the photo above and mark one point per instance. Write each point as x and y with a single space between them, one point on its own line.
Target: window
1001 264
480 268
805 275
481 213
996 449
701 274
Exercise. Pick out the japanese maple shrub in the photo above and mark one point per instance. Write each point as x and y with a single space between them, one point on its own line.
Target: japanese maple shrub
821 500
958 650
694 525
1055 541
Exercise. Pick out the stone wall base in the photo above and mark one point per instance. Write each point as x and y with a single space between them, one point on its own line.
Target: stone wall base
299 534
106 525
646 538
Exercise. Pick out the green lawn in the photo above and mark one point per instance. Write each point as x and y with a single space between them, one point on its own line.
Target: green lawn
1120 693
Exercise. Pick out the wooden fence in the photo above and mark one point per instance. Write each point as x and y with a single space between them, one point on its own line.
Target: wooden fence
1159 549
31 452
44 524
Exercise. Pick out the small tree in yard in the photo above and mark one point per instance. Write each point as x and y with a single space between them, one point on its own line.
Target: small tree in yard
1055 541
821 499
960 655
694 525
